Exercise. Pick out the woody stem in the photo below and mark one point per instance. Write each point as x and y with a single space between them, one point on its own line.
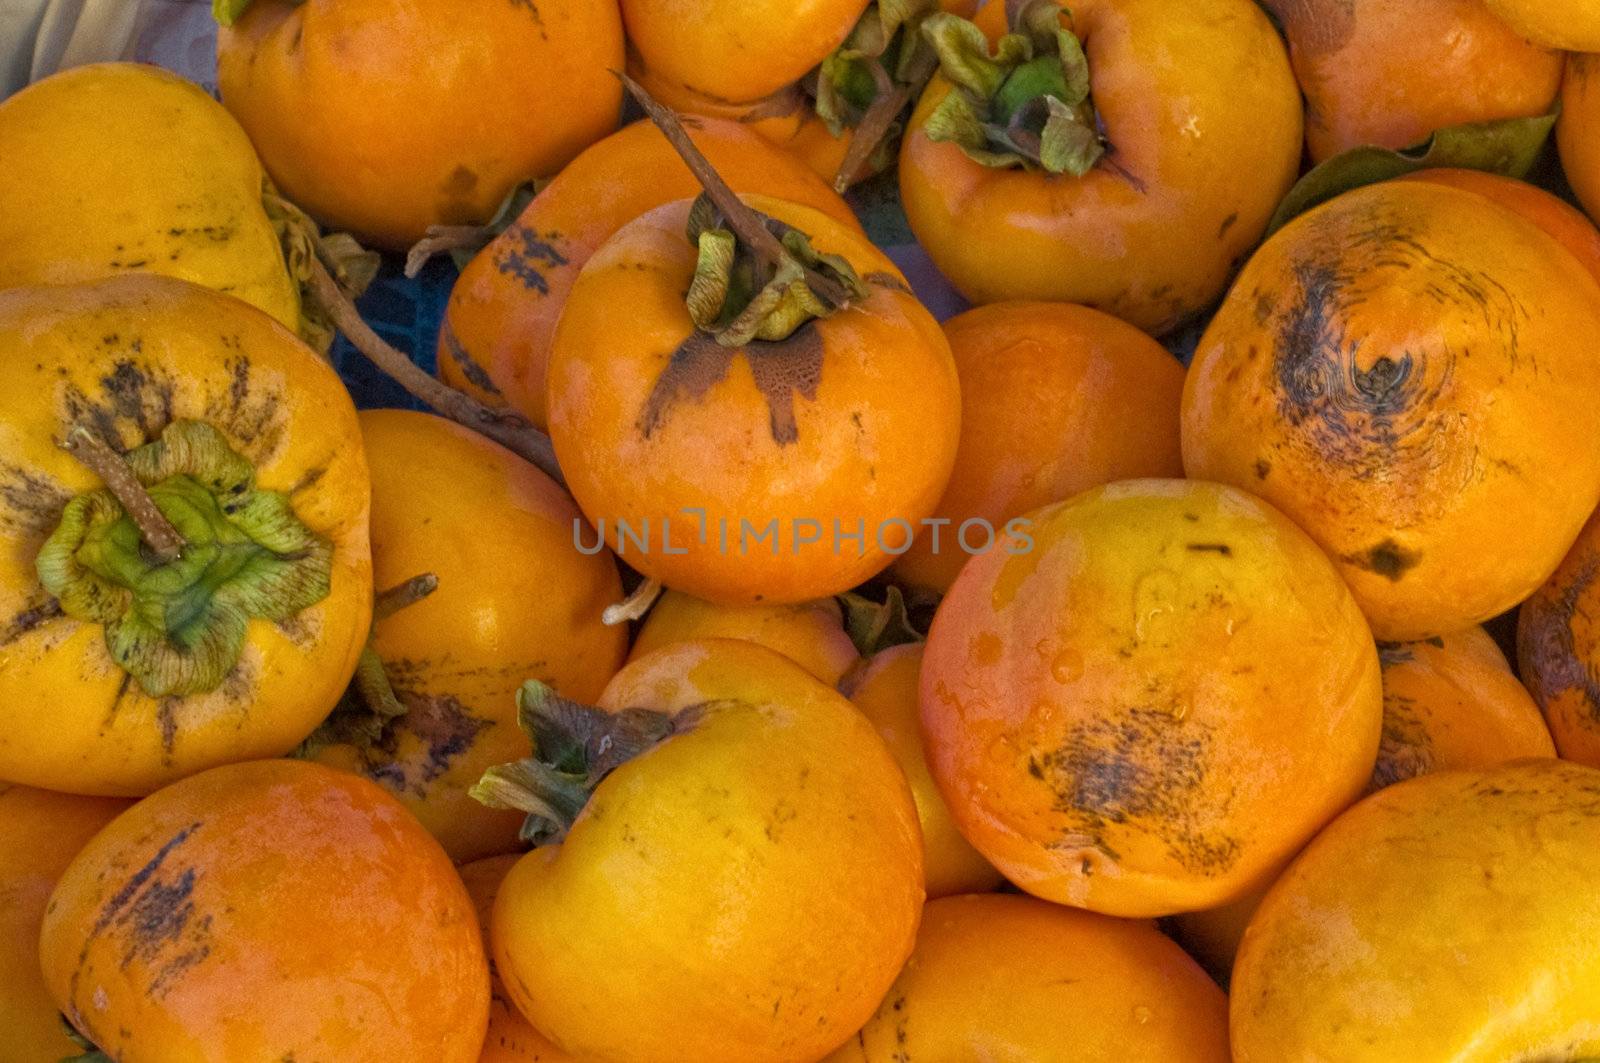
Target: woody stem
634 605
387 603
511 430
157 531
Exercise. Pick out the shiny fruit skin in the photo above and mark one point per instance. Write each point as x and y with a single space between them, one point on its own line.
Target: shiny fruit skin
503 309
885 690
265 911
1154 232
121 167
1004 979
1578 129
516 601
382 117
130 354
1055 399
1398 370
811 634
744 892
1391 72
40 833
1571 25
1446 918
855 426
1111 710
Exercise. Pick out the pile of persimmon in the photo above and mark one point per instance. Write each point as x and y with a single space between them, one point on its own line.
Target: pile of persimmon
1168 635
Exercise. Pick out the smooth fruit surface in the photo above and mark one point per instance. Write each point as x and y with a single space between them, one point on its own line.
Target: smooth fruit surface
811 634
1572 25
1578 129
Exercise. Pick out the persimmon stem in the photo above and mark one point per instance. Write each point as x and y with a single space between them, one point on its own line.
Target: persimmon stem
442 238
745 222
157 531
506 427
389 602
876 122
372 683
634 605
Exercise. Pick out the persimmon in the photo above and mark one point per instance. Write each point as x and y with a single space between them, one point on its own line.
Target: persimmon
1084 399
1110 711
759 438
732 864
1558 648
503 309
1447 918
1069 178
1014 979
811 634
884 688
382 117
514 600
40 833
1570 25
511 1037
191 584
1555 216
1576 129
269 910
1403 372
1391 72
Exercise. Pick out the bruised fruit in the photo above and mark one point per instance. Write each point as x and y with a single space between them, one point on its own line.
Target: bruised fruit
1558 648
1147 704
268 911
1405 371
728 857
128 662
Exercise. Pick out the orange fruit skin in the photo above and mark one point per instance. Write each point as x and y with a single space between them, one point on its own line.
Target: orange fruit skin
744 892
511 1038
811 634
856 430
382 117
1055 399
1572 25
40 833
885 690
262 911
1398 370
1390 72
737 50
502 313
1109 711
1566 223
515 601
1448 704
1576 129
1153 232
1558 648
1004 978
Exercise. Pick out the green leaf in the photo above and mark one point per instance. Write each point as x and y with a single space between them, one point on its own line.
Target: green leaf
1509 147
227 12
876 626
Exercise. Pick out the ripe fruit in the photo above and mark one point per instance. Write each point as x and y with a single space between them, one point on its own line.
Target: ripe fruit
1400 371
121 671
383 117
737 469
743 885
1390 72
1055 399
495 339
267 911
1014 979
1142 210
811 634
515 600
1558 648
1109 706
40 833
1566 223
1572 25
1576 129
885 690
1446 918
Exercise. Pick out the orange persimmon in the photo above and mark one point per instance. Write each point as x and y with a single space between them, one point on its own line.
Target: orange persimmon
1571 25
1578 129
1149 700
1558 648
811 634
1083 398
1405 372
269 910
495 339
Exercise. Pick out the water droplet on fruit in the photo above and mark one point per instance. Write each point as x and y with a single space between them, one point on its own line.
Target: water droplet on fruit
1067 667
1142 1015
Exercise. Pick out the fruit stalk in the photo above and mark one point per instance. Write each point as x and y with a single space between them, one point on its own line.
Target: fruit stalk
158 533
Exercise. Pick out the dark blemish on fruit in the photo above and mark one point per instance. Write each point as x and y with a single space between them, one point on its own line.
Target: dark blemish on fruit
524 254
781 369
1388 559
167 720
30 619
1263 469
1222 549
309 479
1547 645
1405 750
119 901
1393 653
30 504
1227 223
475 373
440 723
533 9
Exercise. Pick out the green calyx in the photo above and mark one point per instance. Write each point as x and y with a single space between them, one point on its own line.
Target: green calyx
227 12
178 627
352 265
1024 104
575 748
739 295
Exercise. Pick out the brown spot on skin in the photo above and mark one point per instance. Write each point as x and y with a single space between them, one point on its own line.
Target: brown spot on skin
1221 549
475 373
1388 559
781 369
524 254
30 619
1405 751
1227 223
532 9
1263 469
167 719
1547 645
444 728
